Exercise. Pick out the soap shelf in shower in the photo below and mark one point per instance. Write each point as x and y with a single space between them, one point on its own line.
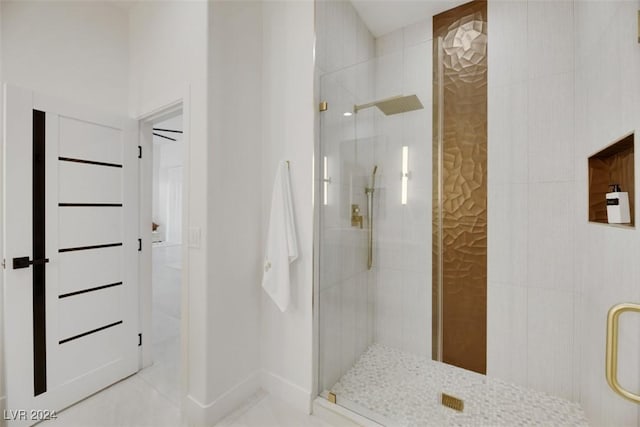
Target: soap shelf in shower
613 164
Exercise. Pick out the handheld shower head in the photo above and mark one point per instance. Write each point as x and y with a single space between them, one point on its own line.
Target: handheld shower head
373 179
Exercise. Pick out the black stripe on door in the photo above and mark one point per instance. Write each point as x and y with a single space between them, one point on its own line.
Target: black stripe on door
93 331
39 276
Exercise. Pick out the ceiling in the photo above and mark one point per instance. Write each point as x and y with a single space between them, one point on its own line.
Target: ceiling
385 16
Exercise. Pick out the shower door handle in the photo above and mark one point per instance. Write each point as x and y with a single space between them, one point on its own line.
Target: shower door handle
612 349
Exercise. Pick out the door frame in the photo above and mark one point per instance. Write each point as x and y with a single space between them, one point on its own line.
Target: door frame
156 112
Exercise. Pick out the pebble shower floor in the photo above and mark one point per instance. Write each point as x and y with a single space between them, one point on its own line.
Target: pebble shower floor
404 390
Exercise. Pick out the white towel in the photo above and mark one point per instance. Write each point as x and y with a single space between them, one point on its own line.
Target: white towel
282 243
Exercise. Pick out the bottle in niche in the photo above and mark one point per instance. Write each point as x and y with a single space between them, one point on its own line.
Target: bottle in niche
618 206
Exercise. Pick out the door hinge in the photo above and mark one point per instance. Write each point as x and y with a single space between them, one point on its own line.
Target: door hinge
139 245
139 340
331 397
4 264
139 151
323 106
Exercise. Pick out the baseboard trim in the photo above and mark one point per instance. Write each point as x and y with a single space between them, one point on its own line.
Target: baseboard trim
200 414
287 391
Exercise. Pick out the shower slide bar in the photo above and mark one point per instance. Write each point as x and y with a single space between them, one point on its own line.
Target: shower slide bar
369 191
612 349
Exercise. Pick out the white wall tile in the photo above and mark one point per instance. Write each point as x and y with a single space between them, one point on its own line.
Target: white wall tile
416 308
330 336
330 260
549 37
507 144
507 333
388 326
416 74
508 53
417 137
591 20
321 35
389 75
350 41
508 233
416 231
333 36
550 236
550 341
575 270
550 128
390 43
365 43
363 316
349 304
418 33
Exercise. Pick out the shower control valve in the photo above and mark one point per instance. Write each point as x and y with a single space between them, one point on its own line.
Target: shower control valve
356 218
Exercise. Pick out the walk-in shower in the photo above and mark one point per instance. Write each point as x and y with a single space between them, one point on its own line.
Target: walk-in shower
402 286
374 280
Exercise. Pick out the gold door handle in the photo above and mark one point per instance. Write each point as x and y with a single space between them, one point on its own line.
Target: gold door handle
612 349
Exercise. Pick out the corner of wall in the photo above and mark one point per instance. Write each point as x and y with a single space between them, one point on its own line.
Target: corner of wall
200 414
285 390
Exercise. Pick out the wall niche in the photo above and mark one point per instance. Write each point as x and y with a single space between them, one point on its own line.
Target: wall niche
612 165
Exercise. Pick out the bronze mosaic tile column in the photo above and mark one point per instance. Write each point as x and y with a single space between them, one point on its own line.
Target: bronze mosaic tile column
460 186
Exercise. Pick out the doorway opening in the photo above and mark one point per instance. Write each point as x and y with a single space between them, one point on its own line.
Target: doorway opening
162 187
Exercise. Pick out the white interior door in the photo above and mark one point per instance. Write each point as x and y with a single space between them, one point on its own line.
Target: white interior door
71 247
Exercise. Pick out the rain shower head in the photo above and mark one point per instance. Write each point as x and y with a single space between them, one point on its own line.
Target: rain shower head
394 105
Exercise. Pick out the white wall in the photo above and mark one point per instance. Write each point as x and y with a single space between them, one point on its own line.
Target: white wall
287 129
607 271
558 92
91 69
55 60
168 50
234 203
531 285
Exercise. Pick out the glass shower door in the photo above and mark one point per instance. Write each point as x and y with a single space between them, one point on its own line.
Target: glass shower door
374 227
